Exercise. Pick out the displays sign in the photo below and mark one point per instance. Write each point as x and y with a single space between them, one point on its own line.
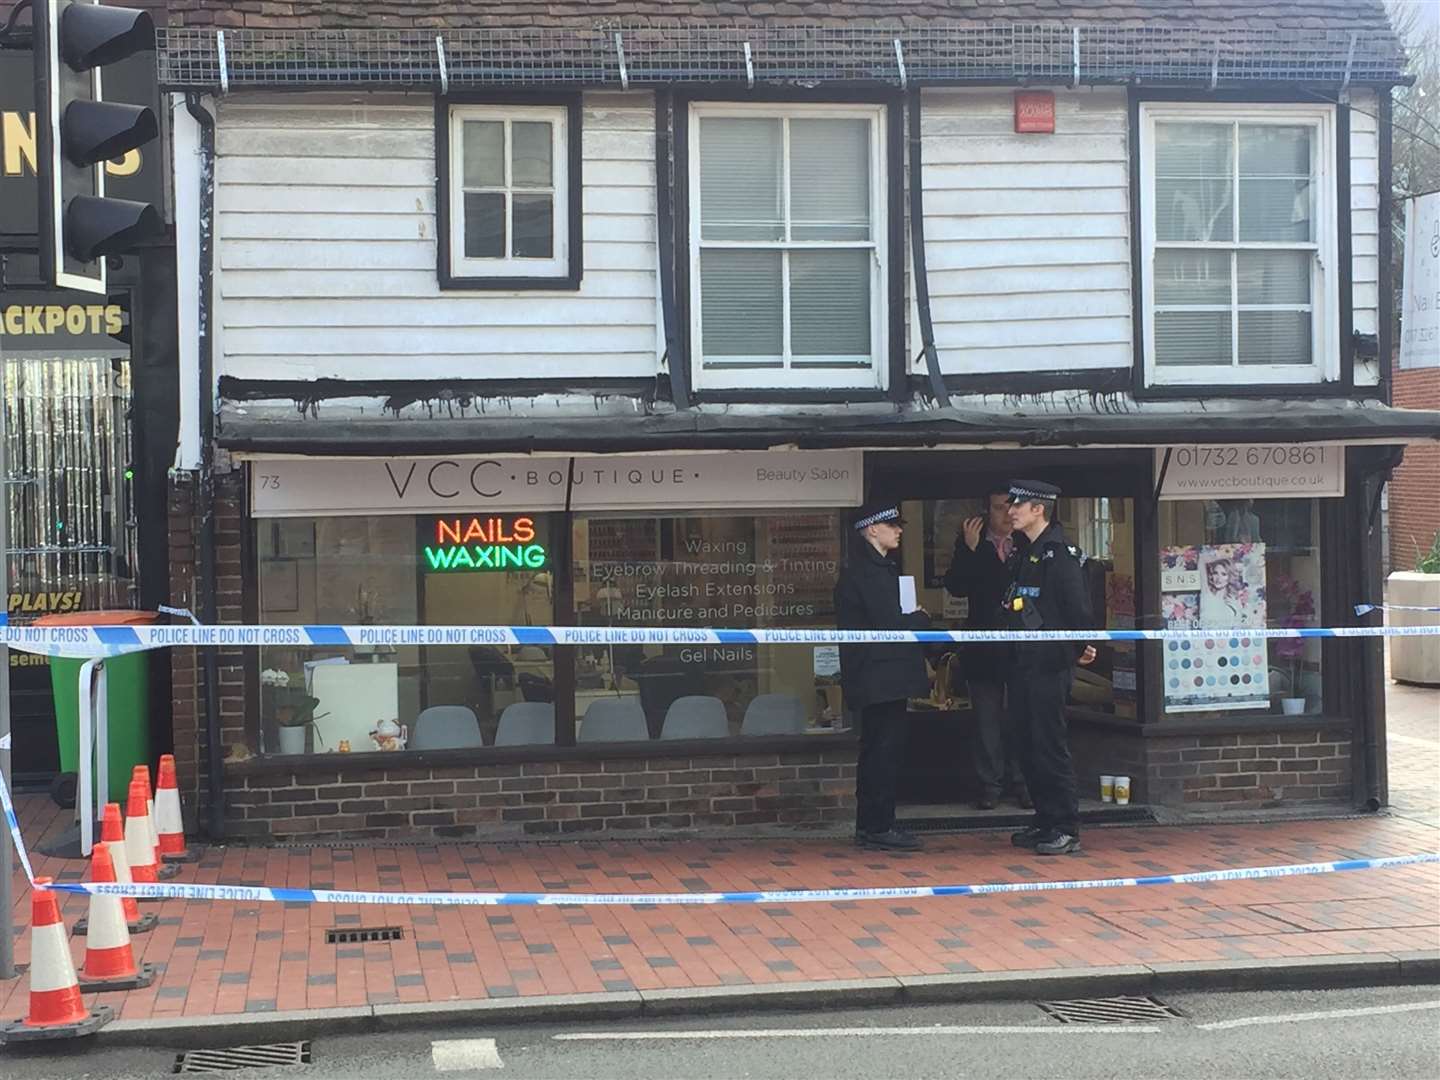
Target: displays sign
485 543
1420 302
1220 587
1252 471
309 487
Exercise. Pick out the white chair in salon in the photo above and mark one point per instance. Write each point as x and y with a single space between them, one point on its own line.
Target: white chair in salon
445 727
527 723
614 719
696 717
774 714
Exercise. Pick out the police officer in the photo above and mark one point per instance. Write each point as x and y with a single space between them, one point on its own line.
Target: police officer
878 678
1047 592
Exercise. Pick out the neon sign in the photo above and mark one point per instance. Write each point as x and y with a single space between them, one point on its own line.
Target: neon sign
485 543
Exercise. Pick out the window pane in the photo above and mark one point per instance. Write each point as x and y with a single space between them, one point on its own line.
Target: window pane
740 304
1274 337
776 570
830 303
1275 277
484 149
1192 277
1269 551
485 225
1193 180
1276 192
830 179
740 179
530 145
1192 337
534 226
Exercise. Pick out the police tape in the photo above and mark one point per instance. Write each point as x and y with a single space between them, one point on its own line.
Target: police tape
177 890
1366 609
12 822
102 641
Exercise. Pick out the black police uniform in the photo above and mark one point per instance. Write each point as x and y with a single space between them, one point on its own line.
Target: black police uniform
1048 593
877 678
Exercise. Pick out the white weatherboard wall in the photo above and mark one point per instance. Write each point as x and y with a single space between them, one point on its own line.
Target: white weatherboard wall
326 247
1027 236
1365 224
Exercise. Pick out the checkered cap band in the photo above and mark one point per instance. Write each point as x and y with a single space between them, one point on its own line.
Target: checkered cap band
891 513
1018 493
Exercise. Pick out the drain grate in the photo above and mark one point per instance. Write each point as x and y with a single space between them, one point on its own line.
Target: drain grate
363 934
243 1057
1112 1010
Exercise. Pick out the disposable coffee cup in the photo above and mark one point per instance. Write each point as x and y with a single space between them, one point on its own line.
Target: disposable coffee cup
1122 790
1107 789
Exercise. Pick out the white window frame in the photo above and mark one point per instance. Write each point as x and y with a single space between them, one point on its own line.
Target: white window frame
1325 268
511 266
747 372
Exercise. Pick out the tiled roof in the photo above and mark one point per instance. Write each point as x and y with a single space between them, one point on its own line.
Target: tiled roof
1212 15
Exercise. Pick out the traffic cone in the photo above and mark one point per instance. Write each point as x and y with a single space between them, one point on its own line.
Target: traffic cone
56 1009
142 774
138 848
109 960
169 821
113 833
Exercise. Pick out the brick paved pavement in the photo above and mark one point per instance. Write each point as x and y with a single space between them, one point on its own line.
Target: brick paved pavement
221 958
1412 726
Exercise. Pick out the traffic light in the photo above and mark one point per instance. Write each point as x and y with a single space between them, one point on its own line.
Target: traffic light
77 131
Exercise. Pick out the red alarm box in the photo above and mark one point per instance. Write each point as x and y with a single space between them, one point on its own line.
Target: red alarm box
1034 112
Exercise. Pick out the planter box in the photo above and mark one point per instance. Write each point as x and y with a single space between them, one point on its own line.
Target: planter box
1414 659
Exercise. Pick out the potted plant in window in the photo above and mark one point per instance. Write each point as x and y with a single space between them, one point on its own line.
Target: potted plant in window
290 708
1416 659
1294 607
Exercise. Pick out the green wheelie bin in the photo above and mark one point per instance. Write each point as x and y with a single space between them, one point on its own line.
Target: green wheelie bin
127 687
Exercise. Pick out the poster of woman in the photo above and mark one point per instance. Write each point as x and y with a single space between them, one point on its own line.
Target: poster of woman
1215 587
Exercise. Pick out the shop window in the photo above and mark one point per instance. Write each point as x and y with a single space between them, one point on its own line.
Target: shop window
708 571
1103 528
1238 223
1241 564
423 570
510 183
788 245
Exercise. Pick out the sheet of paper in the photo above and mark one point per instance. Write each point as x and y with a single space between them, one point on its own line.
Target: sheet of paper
907 594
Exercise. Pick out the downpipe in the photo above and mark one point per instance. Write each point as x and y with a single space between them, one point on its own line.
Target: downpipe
206 584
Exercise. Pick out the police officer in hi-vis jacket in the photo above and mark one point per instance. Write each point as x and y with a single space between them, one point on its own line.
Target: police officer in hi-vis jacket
1047 592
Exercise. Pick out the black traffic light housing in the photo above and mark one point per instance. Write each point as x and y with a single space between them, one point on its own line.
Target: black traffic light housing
77 131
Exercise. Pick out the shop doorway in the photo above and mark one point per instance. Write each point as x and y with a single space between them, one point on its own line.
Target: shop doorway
940 490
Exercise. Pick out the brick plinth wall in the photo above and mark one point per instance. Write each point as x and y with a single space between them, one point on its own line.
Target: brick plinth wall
508 801
1252 769
1414 504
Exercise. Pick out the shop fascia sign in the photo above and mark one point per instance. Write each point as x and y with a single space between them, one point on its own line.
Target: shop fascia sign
475 542
466 486
1251 471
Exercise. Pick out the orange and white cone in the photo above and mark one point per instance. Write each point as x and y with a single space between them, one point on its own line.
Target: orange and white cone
138 848
57 1010
142 774
113 833
169 820
109 959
